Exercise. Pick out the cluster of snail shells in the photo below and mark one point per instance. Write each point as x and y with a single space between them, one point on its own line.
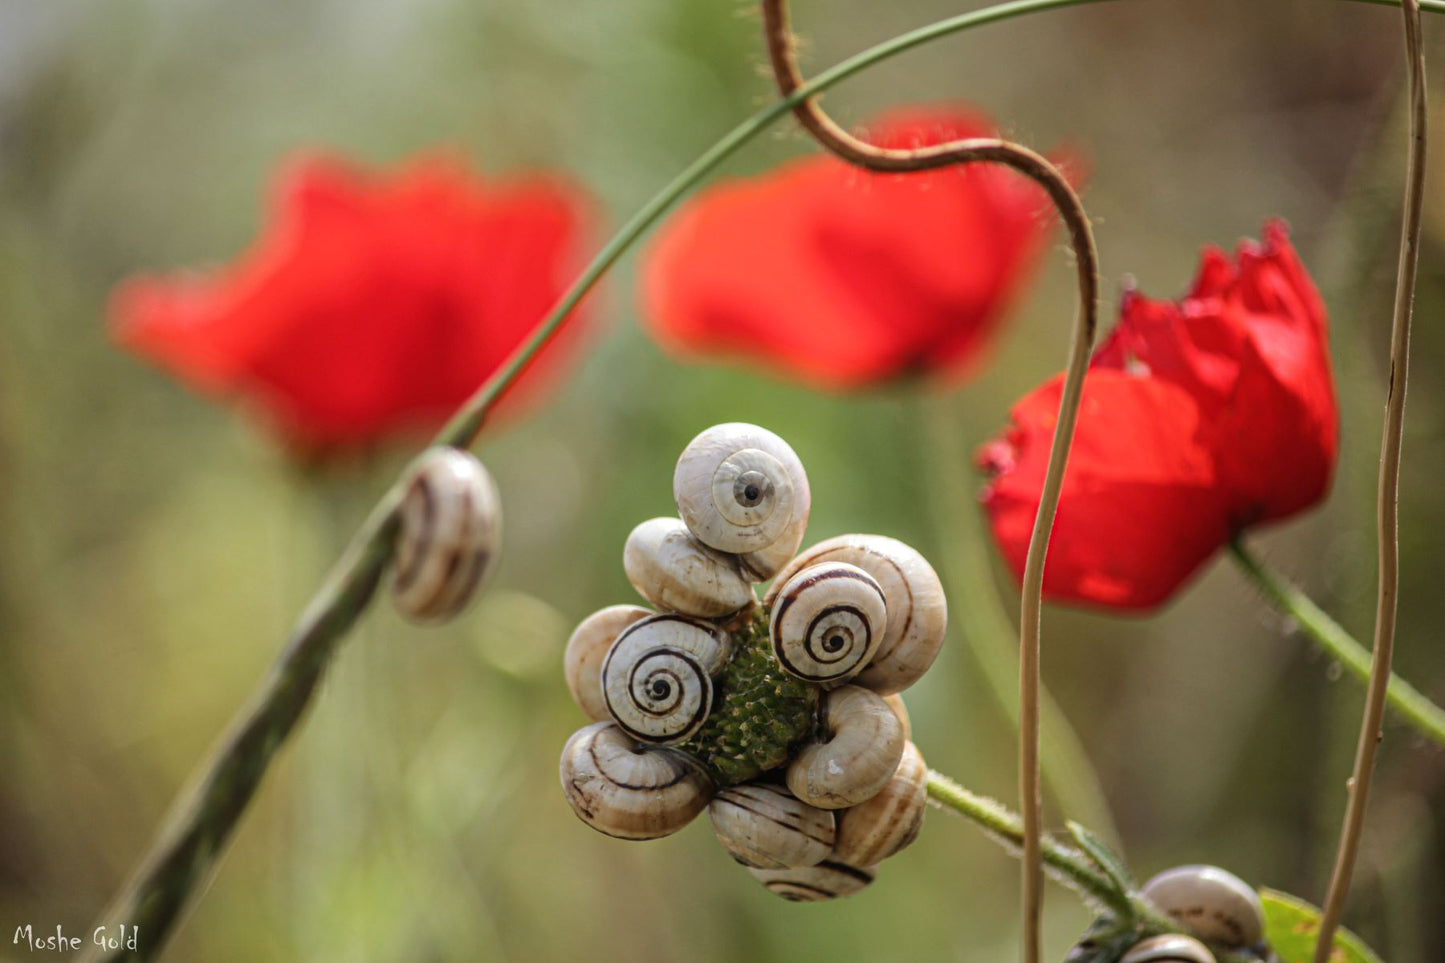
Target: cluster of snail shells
782 719
449 531
1219 911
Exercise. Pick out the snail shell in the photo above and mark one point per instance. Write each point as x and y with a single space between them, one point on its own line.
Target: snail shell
895 702
1212 903
766 828
917 611
627 791
449 536
811 884
675 571
871 831
742 489
1169 948
586 650
657 677
862 752
827 621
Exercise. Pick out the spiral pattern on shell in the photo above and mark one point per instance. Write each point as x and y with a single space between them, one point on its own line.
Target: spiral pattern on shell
623 790
1169 948
741 489
657 677
827 880
827 622
448 538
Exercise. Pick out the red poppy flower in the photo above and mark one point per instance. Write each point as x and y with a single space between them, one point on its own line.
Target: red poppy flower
371 304
843 278
1199 417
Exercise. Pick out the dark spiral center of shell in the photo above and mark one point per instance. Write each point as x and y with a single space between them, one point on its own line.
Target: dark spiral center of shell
751 489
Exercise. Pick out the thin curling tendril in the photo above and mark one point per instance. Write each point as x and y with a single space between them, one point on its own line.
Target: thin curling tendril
1037 168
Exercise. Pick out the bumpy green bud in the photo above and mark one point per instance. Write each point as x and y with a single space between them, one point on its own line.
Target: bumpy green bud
759 712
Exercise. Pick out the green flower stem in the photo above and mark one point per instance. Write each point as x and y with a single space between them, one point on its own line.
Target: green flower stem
1411 705
194 832
1069 866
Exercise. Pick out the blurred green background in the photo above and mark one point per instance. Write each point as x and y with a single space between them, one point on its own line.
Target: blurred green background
154 547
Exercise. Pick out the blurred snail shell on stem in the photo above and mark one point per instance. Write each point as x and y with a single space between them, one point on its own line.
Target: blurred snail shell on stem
861 751
829 879
827 622
1212 903
586 650
1169 948
917 610
674 571
449 535
766 828
624 790
657 676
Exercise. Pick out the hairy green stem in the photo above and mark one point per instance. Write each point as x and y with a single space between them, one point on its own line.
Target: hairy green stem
181 857
1411 705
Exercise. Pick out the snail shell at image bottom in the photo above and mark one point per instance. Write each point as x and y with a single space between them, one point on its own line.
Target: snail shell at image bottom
878 828
861 755
917 610
449 536
586 650
625 790
742 489
827 621
1169 948
764 827
1212 903
674 571
829 879
657 677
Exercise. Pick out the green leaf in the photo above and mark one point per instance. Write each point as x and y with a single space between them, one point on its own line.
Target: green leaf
1291 925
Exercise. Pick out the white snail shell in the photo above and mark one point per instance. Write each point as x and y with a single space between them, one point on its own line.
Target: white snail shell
895 702
827 622
675 571
862 753
917 610
810 884
1211 902
871 831
449 535
766 828
1169 948
586 650
627 791
657 677
742 489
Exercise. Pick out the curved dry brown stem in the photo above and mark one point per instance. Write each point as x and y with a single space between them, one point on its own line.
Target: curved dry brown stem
1038 169
1387 495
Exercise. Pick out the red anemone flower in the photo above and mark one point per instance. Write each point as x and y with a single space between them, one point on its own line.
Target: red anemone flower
842 278
371 304
1199 417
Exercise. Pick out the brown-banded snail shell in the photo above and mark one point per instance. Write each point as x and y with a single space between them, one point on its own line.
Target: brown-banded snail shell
827 622
766 828
657 677
586 650
449 535
877 828
1212 903
829 879
1169 948
627 791
864 745
741 489
675 571
917 611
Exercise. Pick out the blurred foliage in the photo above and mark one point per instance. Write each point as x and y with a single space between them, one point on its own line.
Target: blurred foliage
155 547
